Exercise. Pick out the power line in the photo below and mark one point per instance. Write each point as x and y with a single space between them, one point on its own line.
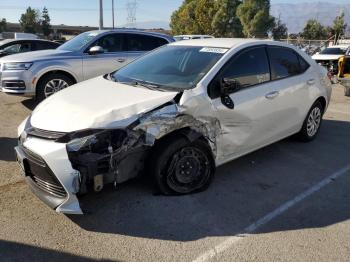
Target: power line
8 7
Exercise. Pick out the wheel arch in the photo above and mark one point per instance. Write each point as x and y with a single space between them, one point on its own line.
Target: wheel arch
185 132
54 71
323 102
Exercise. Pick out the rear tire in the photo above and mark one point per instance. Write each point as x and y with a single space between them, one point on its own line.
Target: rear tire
50 84
312 123
182 167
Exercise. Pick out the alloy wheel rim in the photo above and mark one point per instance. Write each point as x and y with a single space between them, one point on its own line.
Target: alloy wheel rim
314 121
53 86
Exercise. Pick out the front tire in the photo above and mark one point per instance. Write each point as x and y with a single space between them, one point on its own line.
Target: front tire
312 123
50 84
182 167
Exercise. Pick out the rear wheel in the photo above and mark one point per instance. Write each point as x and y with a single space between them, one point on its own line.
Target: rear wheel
182 167
312 123
52 83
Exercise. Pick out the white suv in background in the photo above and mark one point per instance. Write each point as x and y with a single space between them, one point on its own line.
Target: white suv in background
89 54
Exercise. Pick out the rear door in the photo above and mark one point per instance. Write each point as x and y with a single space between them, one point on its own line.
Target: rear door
294 80
138 44
114 56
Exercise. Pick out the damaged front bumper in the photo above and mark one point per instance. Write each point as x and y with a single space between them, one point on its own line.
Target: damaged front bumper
49 174
58 166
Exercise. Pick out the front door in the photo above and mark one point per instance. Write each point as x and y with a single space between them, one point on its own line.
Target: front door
113 58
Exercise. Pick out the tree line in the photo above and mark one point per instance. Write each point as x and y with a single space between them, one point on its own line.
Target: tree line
32 21
243 18
221 18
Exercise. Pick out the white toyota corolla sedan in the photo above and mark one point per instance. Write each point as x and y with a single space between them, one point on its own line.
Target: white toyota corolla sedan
174 114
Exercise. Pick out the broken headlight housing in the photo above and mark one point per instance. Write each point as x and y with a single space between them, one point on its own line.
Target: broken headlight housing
96 141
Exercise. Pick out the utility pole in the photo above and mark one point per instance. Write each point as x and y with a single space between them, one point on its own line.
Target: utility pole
113 13
101 16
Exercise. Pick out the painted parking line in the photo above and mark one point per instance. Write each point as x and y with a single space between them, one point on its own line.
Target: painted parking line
230 241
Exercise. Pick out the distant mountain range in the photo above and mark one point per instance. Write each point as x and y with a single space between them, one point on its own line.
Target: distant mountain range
296 15
293 15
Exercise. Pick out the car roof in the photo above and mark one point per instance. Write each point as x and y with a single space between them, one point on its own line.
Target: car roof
189 35
220 42
6 41
126 30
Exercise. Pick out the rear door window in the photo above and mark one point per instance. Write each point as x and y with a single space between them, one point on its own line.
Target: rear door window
18 48
284 62
139 42
45 45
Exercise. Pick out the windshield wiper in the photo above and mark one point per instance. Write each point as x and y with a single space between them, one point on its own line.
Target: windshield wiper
147 85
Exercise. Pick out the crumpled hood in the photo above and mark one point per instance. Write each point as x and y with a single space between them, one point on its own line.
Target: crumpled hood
38 56
326 57
96 103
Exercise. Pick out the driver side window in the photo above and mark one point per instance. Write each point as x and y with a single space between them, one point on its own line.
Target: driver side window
110 43
250 67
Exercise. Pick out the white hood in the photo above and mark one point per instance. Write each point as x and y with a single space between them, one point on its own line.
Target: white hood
326 57
96 103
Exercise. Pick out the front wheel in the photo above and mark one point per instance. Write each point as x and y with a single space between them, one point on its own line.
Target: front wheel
52 83
312 123
182 167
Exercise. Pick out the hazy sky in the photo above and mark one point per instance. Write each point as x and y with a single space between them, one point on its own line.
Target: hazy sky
84 12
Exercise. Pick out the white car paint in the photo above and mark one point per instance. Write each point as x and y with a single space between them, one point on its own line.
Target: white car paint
114 105
256 121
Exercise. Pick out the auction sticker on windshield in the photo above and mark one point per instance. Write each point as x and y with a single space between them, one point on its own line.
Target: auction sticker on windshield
214 50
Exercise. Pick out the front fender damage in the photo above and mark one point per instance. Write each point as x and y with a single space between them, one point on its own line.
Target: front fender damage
128 148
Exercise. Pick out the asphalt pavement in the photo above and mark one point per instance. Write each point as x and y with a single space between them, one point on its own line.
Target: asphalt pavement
289 201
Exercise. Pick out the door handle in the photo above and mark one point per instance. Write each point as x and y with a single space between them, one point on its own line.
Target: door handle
272 94
310 81
121 60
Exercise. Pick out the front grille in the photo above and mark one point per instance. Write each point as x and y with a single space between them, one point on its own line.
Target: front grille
51 135
41 174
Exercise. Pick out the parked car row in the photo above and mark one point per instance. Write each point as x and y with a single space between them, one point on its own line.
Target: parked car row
175 113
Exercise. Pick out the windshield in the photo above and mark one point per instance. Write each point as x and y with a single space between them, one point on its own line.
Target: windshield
76 43
333 51
171 67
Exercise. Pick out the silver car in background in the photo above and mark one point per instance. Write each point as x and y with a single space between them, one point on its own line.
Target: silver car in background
88 55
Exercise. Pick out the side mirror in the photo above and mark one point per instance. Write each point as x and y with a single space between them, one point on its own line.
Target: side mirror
227 87
96 50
